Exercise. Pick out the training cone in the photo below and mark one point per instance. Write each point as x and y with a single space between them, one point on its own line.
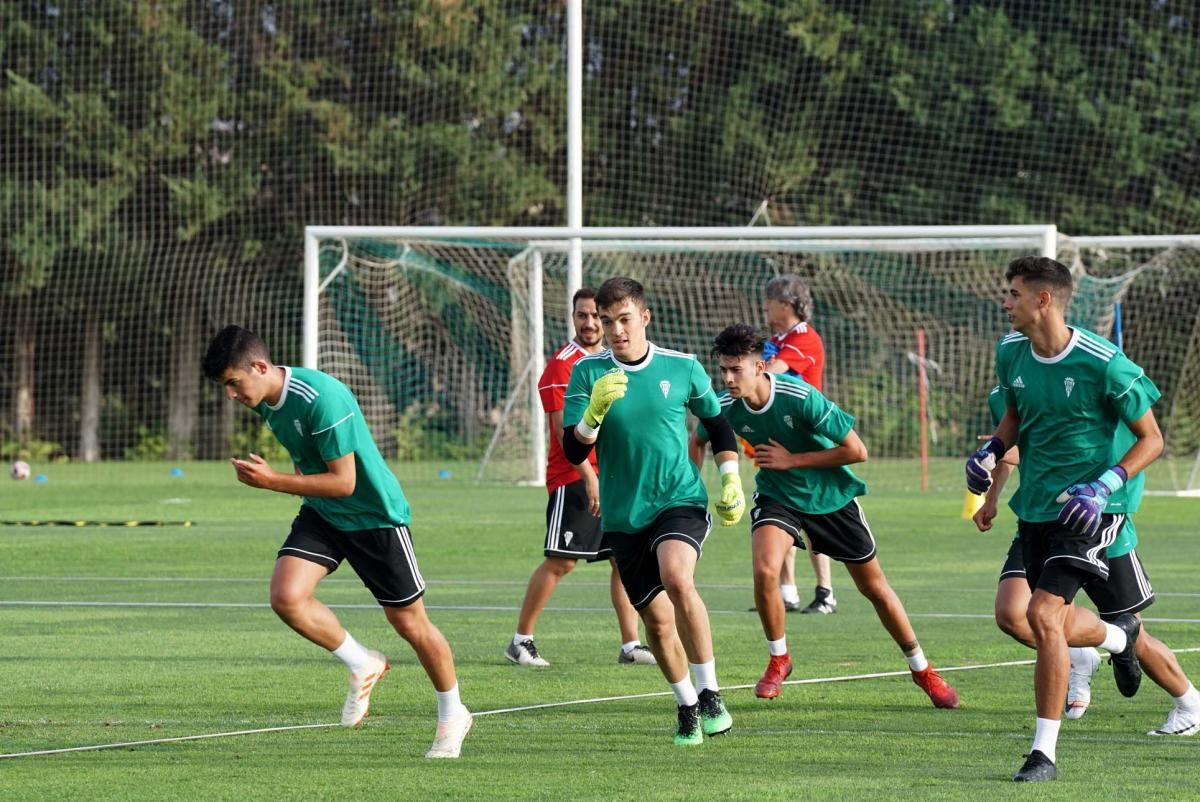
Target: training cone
971 505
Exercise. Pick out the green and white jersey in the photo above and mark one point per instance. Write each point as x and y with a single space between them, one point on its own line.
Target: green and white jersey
1070 406
800 418
642 447
317 419
1122 441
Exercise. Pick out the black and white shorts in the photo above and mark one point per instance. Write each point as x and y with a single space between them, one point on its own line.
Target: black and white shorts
572 531
637 561
383 558
1059 560
1127 589
843 534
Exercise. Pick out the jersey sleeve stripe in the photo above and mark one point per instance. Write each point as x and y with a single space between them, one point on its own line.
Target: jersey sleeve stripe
706 392
307 394
334 425
1092 348
1136 379
828 412
548 386
303 386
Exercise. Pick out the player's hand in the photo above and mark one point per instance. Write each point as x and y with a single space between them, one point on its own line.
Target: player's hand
607 389
732 504
984 515
981 464
772 456
1083 504
591 486
253 471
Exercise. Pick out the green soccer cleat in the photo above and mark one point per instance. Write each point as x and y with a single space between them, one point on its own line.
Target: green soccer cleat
689 732
715 717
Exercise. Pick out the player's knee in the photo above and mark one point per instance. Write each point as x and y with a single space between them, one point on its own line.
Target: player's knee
409 623
560 566
1043 620
766 573
287 603
679 585
1011 622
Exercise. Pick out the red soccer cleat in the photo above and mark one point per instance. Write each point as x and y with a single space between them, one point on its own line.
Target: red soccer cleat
779 669
942 693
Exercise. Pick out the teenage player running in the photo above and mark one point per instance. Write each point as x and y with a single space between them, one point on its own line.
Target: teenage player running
572 513
1066 391
631 403
1127 590
353 510
796 349
803 445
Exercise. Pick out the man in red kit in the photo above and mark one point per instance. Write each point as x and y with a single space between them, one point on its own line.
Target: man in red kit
796 349
573 513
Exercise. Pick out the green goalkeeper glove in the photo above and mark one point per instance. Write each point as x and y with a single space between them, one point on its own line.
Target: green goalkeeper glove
733 499
607 389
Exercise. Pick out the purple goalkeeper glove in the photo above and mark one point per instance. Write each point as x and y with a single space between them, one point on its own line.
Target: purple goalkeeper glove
1083 504
770 350
981 464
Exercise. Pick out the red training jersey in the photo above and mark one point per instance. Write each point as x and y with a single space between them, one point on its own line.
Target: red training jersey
801 349
552 386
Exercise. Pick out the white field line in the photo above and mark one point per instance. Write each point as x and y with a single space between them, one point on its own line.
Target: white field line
543 706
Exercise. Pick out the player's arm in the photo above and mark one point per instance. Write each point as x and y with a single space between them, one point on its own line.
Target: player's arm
732 503
336 482
1147 448
697 445
773 456
986 513
982 463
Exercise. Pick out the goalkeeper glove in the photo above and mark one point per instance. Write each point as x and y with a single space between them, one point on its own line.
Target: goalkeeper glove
733 499
770 350
1083 504
607 389
981 464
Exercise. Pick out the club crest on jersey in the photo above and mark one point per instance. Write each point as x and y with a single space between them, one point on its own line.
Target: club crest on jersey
1068 385
746 429
299 430
665 386
1018 384
788 420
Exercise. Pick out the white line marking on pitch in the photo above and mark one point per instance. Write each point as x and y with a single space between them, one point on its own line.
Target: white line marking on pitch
523 708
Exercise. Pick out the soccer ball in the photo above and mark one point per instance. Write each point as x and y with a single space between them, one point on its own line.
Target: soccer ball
19 470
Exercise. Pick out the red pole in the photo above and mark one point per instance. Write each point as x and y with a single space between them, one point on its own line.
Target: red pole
921 396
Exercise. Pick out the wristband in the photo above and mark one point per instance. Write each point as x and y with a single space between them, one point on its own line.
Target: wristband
587 432
1114 478
729 466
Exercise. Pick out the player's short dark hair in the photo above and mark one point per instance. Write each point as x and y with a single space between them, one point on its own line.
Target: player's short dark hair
583 292
233 347
618 290
740 339
793 291
1044 271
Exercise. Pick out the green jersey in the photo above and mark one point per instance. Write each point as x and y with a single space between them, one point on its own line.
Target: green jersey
1070 406
1127 538
317 419
642 447
800 418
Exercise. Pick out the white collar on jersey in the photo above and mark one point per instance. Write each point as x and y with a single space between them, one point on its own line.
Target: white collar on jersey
770 398
640 365
287 378
1061 355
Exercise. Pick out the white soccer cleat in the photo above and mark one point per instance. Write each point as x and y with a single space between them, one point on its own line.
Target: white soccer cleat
450 735
358 698
525 653
1179 722
1085 662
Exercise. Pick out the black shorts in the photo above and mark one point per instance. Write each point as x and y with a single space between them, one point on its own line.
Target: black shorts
1060 561
571 530
1127 589
635 551
1014 562
843 535
383 558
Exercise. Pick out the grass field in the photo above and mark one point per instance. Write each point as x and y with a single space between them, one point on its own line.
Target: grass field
112 635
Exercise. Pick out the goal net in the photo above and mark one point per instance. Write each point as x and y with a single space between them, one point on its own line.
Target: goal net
443 336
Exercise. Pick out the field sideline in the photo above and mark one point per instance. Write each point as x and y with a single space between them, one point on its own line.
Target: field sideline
115 635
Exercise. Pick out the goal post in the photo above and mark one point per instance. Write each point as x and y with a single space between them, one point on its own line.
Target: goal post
442 331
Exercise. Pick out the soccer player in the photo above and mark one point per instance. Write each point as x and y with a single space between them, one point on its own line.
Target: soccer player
1066 390
795 349
353 510
630 402
803 445
572 514
1127 590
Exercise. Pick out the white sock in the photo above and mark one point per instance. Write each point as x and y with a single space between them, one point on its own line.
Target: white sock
1045 737
777 647
352 653
685 692
626 648
706 675
1114 639
790 593
916 660
519 638
1190 700
448 703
